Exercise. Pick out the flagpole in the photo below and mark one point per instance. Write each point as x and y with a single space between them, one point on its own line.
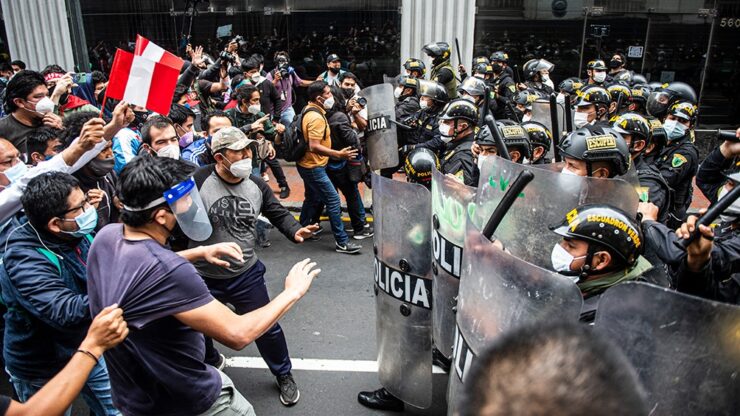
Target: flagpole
102 107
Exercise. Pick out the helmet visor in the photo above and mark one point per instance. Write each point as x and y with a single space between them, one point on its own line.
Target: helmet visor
657 103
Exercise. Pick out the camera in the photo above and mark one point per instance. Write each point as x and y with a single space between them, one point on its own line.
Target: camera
238 39
284 70
362 101
226 57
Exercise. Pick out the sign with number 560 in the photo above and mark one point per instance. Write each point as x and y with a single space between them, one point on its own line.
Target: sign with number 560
733 22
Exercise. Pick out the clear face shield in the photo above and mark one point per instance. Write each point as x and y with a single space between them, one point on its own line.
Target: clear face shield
657 103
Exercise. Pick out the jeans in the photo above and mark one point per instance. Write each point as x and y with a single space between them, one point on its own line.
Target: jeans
286 118
320 190
229 402
246 293
355 207
96 392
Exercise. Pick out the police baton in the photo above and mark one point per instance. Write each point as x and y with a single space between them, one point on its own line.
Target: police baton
401 125
486 103
501 149
555 125
457 49
712 214
517 75
568 115
521 181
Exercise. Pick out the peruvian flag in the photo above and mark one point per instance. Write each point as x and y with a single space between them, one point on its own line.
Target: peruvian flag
142 81
156 53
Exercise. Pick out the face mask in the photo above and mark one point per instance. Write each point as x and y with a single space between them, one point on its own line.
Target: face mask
727 217
560 99
423 104
561 261
614 64
256 77
397 92
16 171
526 117
171 151
86 223
469 98
254 109
674 129
580 119
242 168
446 132
186 139
497 68
481 158
567 171
480 76
329 103
44 105
101 167
348 92
334 70
545 78
599 76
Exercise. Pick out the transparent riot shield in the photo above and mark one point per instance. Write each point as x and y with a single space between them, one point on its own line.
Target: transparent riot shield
450 203
403 289
500 292
382 142
541 114
544 202
685 349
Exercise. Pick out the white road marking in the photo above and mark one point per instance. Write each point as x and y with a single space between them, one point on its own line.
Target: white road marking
313 364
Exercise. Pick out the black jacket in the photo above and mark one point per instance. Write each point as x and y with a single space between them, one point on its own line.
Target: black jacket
456 158
678 164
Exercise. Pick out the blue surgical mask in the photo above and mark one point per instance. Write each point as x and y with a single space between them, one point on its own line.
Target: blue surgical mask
16 171
674 129
86 223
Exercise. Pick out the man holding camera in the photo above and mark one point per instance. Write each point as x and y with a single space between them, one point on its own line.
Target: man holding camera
284 78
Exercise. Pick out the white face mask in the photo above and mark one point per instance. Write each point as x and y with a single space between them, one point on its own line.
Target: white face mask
446 132
44 105
171 151
560 98
561 261
423 104
256 77
480 76
526 117
242 168
674 130
545 78
329 103
469 98
599 76
397 92
580 119
728 216
254 109
481 158
567 171
15 172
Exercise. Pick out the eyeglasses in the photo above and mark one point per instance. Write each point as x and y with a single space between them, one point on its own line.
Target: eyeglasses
85 203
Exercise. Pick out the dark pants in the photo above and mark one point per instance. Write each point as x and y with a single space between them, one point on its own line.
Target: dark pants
246 293
355 207
277 171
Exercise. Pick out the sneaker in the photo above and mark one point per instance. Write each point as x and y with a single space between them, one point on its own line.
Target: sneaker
289 393
348 248
265 177
221 362
364 233
284 192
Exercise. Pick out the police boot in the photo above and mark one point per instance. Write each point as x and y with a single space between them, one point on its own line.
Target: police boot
380 399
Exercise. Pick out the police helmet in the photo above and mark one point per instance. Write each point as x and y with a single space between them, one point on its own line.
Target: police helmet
661 99
434 90
534 66
473 86
596 64
500 56
515 137
639 93
460 108
437 50
638 79
413 64
597 144
684 110
620 93
658 136
635 125
480 60
483 68
596 95
527 97
419 165
539 134
606 226
408 82
571 85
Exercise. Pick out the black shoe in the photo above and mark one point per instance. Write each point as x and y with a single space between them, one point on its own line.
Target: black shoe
380 399
348 248
284 192
440 360
289 393
366 232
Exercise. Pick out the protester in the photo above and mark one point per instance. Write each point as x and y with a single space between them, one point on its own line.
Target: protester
42 145
158 137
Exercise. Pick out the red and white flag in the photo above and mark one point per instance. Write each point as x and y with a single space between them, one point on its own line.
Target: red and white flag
156 53
143 82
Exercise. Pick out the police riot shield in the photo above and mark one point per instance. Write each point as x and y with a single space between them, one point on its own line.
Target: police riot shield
685 349
382 143
450 203
541 114
543 203
500 292
403 289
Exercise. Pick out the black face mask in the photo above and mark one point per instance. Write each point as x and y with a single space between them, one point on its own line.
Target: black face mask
334 70
614 64
497 68
63 98
348 92
101 167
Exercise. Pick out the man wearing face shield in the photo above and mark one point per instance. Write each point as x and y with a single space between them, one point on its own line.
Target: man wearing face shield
601 247
593 107
28 107
234 198
541 140
537 76
679 160
617 69
662 97
595 152
442 71
596 71
457 134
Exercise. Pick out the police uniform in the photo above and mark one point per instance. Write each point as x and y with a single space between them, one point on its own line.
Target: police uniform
678 164
505 89
540 87
456 158
405 110
445 75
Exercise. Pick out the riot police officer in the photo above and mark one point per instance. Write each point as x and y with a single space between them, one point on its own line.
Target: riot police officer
596 152
432 99
662 97
596 71
638 99
457 134
638 79
679 160
442 71
406 94
478 62
418 166
537 76
515 138
523 101
601 247
620 94
570 87
503 85
593 107
502 58
617 69
414 68
474 90
541 140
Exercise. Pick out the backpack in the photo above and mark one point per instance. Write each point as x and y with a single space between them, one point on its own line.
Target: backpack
293 144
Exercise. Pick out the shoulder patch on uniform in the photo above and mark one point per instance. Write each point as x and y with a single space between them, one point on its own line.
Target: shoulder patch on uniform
643 193
678 160
460 175
512 88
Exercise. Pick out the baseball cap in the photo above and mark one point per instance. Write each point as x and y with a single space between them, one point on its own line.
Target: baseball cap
331 58
230 138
